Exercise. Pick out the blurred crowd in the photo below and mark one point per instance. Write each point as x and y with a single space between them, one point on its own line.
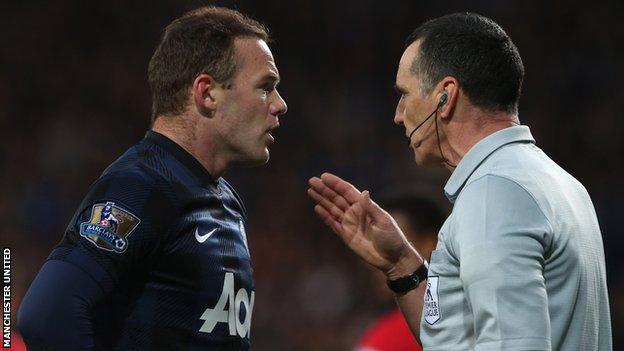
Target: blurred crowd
74 95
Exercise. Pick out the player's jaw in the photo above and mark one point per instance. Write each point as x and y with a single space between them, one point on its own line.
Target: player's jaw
256 152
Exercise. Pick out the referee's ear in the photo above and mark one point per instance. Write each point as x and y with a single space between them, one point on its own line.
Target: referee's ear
450 85
203 94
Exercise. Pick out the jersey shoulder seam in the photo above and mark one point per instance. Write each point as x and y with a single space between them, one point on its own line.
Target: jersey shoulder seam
519 185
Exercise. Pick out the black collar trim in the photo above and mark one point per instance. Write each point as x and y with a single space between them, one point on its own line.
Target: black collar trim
181 155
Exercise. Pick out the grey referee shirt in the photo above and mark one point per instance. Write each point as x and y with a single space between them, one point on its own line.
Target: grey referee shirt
520 261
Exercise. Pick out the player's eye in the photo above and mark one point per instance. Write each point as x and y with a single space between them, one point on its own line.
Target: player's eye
267 90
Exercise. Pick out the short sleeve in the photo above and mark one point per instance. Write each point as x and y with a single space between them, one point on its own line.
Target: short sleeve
501 236
118 228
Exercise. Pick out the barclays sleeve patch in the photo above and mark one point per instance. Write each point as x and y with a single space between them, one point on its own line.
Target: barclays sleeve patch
109 227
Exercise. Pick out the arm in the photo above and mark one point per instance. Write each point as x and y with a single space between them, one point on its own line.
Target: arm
56 311
411 305
372 234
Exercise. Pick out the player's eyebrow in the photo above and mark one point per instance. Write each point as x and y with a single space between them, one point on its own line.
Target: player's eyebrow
270 78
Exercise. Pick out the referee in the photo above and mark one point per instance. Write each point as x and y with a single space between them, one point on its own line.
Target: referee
520 262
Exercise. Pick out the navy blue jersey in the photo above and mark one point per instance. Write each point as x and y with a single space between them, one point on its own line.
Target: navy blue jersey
166 245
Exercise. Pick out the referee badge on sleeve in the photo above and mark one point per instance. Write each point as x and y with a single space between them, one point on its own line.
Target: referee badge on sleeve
109 227
431 308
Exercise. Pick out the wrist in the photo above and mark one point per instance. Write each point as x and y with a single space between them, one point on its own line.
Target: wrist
410 282
409 262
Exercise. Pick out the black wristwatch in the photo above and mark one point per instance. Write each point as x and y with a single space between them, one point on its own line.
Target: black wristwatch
407 283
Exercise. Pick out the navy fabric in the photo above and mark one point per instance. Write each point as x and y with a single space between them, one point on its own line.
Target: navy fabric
158 292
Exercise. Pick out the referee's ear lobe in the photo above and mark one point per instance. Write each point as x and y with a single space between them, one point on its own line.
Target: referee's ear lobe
203 93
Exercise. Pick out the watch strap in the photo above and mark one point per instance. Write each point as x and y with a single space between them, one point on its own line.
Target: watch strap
410 282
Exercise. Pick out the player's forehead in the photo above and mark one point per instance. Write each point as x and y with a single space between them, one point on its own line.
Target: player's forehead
254 59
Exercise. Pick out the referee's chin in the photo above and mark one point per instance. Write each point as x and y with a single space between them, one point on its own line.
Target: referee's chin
419 158
427 160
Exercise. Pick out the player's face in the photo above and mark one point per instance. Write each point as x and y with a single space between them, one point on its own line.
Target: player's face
250 108
414 107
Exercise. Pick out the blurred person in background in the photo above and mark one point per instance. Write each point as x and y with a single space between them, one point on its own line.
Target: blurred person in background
420 217
156 255
519 263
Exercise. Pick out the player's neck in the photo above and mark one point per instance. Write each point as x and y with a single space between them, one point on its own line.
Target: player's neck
184 131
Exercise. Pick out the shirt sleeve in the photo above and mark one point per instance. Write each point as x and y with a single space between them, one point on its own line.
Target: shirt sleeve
115 235
55 313
501 241
119 228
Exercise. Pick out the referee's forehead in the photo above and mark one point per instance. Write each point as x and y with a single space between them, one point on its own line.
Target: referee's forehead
406 78
410 53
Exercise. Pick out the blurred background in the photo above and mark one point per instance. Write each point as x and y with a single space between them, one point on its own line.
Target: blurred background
74 95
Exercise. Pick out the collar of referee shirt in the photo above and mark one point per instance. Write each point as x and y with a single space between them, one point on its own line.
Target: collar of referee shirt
479 152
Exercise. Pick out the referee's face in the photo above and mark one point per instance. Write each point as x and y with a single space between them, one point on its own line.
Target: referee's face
248 110
413 108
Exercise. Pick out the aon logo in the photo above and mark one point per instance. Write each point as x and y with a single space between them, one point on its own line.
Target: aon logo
228 308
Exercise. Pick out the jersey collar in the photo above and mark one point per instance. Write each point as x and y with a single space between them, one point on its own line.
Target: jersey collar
479 152
181 155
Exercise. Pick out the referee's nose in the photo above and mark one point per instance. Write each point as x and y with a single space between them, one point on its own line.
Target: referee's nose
399 113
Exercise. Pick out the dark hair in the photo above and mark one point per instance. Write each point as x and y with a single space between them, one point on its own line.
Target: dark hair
200 41
477 52
424 213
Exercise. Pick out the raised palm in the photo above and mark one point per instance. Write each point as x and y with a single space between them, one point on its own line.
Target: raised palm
365 227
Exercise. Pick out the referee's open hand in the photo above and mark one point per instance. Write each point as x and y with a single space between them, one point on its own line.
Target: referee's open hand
364 226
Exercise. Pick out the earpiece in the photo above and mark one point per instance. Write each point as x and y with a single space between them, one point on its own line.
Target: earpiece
443 98
441 102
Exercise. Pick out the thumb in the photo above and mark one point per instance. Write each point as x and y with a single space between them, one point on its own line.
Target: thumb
370 207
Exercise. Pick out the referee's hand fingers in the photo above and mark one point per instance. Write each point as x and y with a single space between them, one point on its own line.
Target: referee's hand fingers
328 219
328 205
342 187
378 214
318 186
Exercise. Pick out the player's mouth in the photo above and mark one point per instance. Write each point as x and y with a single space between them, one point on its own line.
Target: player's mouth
268 133
270 138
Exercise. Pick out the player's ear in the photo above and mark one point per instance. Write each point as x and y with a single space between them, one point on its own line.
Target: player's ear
203 93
